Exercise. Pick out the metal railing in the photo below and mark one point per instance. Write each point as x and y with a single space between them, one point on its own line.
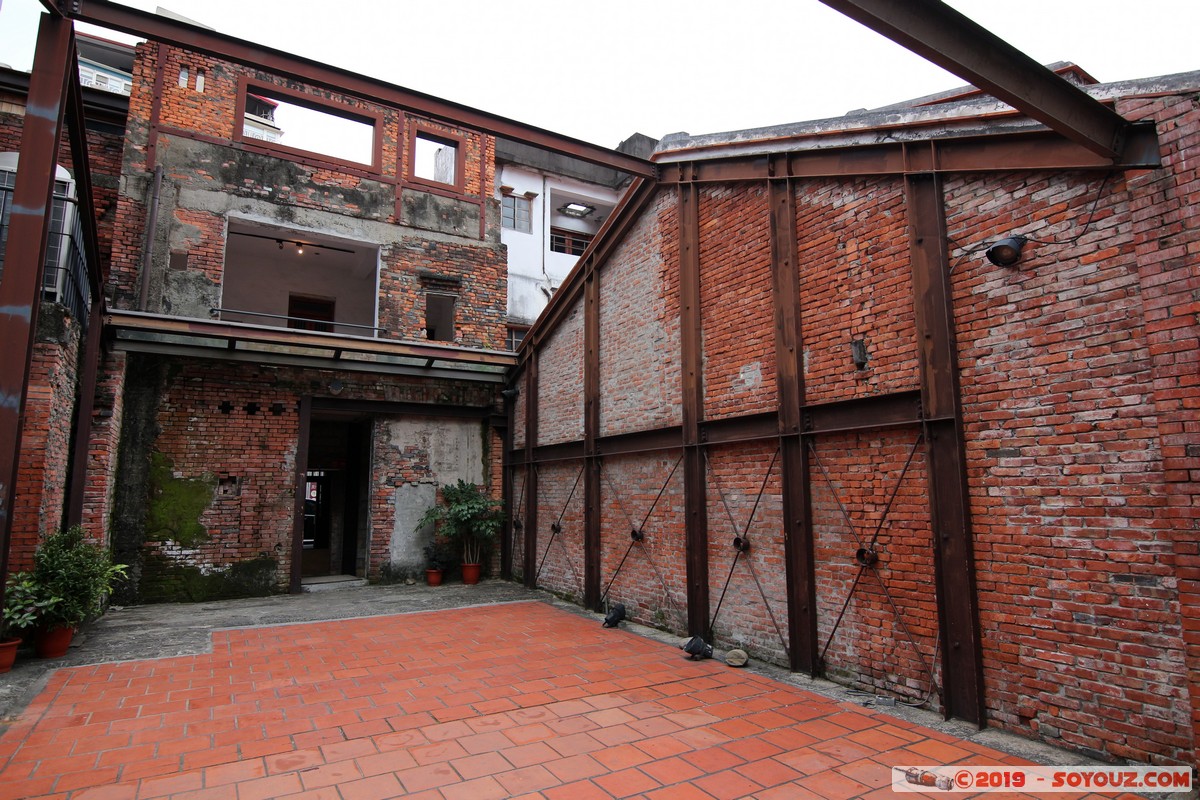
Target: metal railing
304 323
65 278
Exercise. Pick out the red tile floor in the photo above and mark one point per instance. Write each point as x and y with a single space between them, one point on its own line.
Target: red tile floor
505 701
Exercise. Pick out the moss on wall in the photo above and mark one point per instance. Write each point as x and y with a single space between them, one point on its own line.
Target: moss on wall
176 504
166 580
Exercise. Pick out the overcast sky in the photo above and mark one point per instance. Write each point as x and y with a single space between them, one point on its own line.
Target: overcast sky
600 71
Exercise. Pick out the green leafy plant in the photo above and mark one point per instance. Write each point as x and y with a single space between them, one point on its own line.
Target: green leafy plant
78 573
465 516
438 554
24 604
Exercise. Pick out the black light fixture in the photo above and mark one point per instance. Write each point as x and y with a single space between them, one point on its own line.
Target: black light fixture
1006 252
858 353
299 248
615 615
577 210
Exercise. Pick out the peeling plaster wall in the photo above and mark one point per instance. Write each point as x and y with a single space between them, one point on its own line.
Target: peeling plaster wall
413 457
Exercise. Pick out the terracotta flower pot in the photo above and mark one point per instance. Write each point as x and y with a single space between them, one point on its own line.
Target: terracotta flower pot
470 573
53 642
8 654
433 577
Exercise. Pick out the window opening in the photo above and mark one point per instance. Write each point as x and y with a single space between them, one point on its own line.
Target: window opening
435 159
183 76
569 242
514 339
516 213
315 127
439 317
200 81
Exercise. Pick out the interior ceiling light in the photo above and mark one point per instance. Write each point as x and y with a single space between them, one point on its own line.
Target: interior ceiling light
299 249
1006 252
577 210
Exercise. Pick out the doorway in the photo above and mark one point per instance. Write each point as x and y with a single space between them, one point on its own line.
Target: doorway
335 497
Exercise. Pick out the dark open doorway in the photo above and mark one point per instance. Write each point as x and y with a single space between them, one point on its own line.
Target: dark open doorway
334 497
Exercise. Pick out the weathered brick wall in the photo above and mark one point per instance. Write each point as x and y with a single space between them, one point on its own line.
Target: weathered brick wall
210 175
40 497
1079 373
107 418
650 583
757 581
862 496
1166 240
737 317
639 333
559 557
560 382
855 284
222 461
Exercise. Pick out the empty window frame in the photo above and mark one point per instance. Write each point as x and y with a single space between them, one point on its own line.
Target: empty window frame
439 317
436 159
516 213
301 125
569 242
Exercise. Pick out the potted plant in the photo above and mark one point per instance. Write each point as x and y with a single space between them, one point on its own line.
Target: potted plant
437 561
24 603
469 518
79 575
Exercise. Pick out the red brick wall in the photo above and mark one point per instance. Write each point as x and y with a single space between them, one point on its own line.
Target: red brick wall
736 474
1079 383
559 556
639 332
40 497
738 319
107 418
854 284
560 382
650 584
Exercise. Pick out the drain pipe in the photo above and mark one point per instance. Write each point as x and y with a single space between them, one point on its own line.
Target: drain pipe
148 250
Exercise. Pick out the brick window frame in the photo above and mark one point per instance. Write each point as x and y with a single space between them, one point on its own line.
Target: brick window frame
419 130
323 105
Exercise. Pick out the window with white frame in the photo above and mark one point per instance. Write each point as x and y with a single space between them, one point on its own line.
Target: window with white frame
516 213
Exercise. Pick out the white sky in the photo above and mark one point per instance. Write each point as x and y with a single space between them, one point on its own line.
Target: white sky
600 71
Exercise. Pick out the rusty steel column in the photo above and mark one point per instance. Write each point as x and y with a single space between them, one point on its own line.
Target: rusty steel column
90 357
796 486
954 565
695 500
506 488
531 481
304 427
20 286
591 429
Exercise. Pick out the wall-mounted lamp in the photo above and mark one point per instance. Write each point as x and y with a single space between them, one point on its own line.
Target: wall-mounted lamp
1006 252
299 249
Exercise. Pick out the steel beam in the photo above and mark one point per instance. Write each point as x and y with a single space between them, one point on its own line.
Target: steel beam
796 486
862 413
508 470
591 429
695 499
29 225
202 40
947 38
81 435
1036 150
531 476
954 565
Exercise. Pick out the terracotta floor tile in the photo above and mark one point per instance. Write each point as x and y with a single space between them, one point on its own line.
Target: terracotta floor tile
492 706
626 782
527 779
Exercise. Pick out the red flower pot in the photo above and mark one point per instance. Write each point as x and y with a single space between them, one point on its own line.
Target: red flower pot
471 573
433 577
53 642
8 653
